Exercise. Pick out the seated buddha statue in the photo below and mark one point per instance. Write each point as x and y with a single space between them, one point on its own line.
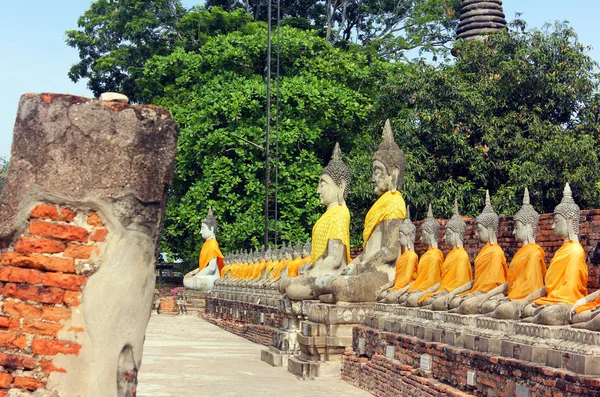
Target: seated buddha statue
299 260
584 312
490 265
330 234
527 268
567 275
375 267
210 259
406 265
456 270
429 271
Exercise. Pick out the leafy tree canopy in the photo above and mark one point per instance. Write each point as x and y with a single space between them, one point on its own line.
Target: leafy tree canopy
521 110
218 96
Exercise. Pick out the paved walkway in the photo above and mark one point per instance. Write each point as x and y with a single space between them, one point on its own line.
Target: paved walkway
187 356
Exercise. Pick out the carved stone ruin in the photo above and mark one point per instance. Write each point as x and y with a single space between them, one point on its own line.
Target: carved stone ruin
81 217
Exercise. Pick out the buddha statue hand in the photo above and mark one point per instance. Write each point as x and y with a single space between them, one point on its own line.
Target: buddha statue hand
578 303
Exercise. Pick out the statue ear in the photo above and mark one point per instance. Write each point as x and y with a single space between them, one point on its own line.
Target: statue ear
395 176
342 189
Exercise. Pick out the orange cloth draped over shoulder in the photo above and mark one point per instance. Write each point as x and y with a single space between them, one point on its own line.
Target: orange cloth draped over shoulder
281 266
294 268
258 269
490 269
224 271
457 272
210 250
567 276
429 271
406 269
526 271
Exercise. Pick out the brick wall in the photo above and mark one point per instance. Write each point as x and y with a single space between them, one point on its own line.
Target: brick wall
42 276
589 237
494 376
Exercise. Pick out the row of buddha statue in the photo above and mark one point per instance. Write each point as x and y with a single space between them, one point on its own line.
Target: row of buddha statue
389 270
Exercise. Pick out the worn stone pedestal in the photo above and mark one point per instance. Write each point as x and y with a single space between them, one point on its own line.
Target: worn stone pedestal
196 301
325 336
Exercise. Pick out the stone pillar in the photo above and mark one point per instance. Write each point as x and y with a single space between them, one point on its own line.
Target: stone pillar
80 221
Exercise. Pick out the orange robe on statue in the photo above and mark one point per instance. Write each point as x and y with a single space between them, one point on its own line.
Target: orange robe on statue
210 250
406 269
526 272
490 269
567 276
429 271
457 272
294 268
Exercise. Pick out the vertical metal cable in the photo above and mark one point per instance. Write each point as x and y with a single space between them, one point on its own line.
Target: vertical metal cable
277 122
267 154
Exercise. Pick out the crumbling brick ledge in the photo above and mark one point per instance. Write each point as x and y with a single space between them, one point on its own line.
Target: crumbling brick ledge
262 334
368 367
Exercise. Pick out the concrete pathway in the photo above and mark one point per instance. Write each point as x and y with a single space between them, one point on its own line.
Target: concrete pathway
187 356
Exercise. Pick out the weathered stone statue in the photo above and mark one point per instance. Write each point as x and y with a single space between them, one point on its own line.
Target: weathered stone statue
294 267
407 264
210 259
429 272
584 313
567 275
526 271
375 266
490 265
456 268
330 234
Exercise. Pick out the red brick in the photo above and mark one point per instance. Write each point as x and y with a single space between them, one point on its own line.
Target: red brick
39 262
10 323
78 251
53 347
40 245
16 275
71 282
19 309
99 234
48 366
14 361
65 232
56 314
11 340
46 211
34 293
28 383
72 298
94 220
5 380
40 328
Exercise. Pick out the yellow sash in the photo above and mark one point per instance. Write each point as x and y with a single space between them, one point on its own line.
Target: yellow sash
388 206
210 249
334 223
526 272
567 276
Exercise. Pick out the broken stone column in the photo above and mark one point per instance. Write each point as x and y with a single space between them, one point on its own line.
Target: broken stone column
80 220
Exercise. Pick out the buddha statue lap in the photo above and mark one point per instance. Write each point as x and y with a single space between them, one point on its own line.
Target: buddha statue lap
406 265
375 267
210 259
584 313
567 275
456 268
526 271
330 234
429 271
491 270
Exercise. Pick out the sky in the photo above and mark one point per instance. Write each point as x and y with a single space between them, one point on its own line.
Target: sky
35 57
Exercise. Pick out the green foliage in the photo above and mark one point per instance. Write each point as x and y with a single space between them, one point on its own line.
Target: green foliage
3 172
519 111
218 97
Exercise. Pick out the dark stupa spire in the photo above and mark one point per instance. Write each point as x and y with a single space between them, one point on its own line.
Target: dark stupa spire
478 17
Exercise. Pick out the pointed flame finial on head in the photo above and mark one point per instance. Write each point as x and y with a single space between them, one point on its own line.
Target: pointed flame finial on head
430 212
488 216
526 200
431 225
337 153
388 135
456 207
568 193
407 217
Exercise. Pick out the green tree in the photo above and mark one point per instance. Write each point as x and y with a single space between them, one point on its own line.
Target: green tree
3 172
520 110
218 96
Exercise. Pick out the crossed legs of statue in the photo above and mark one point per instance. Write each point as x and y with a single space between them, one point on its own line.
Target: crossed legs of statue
390 296
413 298
468 304
580 318
555 314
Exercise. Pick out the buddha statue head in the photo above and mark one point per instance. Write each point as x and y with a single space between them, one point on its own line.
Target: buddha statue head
566 217
306 249
407 232
526 221
389 164
269 254
209 226
487 222
455 229
335 180
430 230
289 251
298 250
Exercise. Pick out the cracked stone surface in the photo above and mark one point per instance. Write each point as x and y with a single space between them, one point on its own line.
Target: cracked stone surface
187 356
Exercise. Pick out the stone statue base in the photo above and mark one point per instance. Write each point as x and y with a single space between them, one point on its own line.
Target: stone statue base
325 336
